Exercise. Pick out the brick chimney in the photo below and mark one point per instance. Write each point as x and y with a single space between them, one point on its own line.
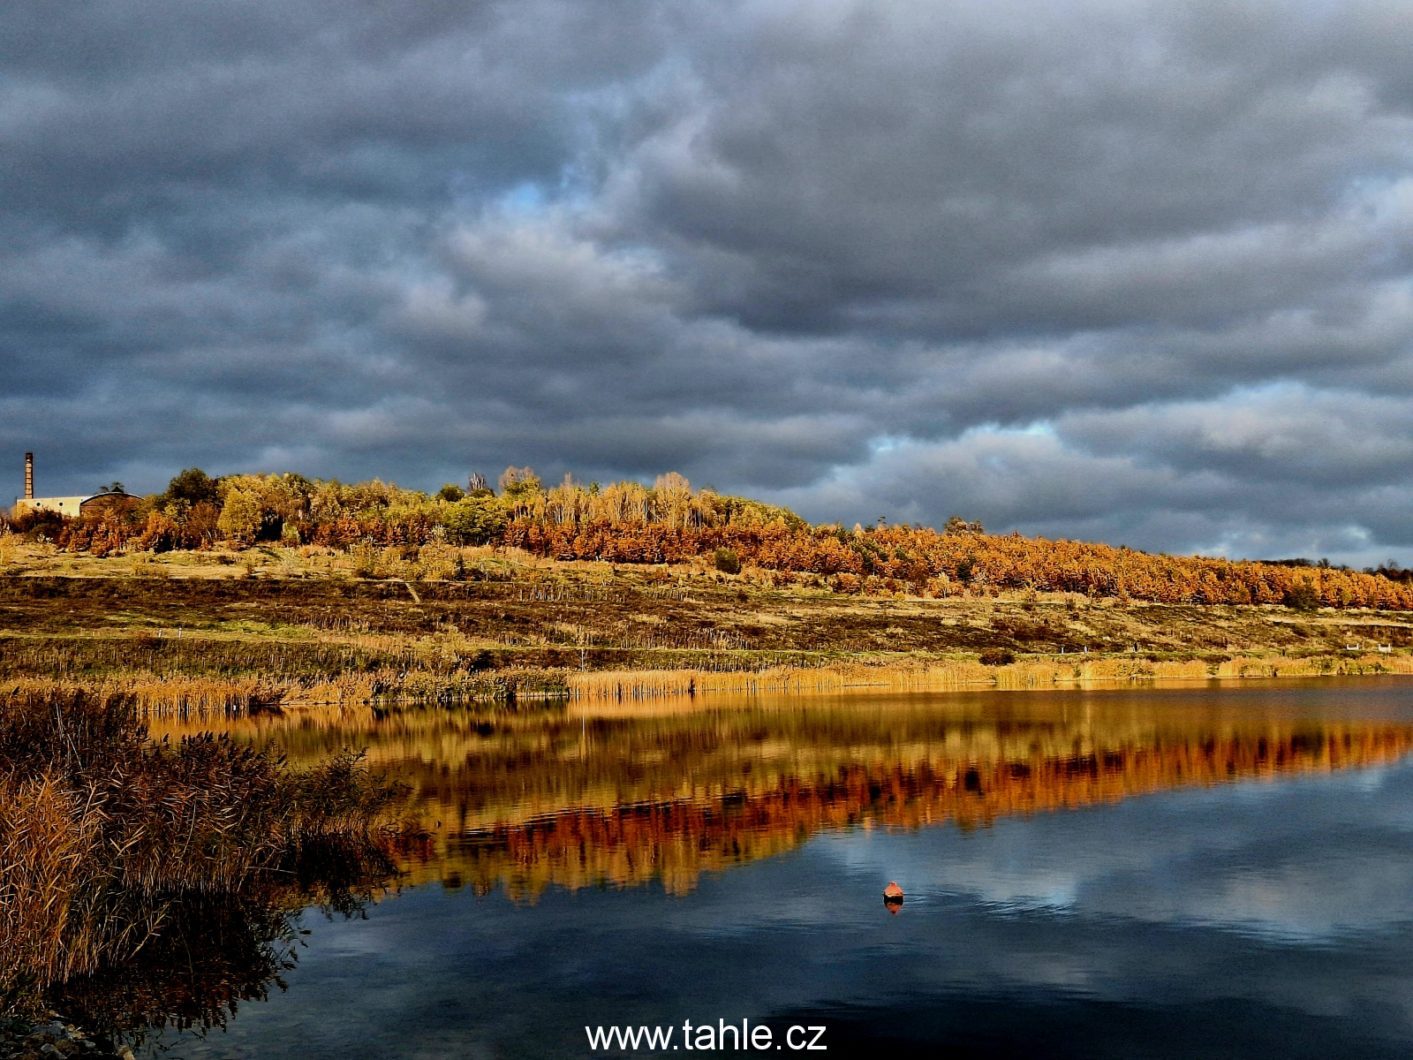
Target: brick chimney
29 476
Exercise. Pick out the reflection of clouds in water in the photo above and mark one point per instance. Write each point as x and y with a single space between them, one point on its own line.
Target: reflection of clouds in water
806 903
927 874
1309 858
1369 780
1070 923
1319 889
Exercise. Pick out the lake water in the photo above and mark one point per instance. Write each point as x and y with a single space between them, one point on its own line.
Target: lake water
1214 870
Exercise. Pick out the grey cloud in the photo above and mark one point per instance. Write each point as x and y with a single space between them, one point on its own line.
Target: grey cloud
1294 435
1036 482
849 162
1131 272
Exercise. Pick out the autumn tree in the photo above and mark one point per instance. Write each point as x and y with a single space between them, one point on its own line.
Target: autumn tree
517 482
240 515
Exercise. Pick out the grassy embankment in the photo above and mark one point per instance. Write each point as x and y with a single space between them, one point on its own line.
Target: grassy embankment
222 631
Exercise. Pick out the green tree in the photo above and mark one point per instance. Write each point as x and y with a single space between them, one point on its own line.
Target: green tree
475 520
191 486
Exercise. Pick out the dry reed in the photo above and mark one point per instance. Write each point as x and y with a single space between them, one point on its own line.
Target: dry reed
101 830
917 675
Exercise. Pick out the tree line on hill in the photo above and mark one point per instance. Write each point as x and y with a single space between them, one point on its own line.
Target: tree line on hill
671 522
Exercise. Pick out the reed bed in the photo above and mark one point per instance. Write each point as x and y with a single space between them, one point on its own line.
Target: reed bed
164 696
205 696
101 831
889 676
156 695
919 675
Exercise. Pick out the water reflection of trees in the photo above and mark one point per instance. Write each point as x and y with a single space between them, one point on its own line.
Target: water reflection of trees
674 841
525 801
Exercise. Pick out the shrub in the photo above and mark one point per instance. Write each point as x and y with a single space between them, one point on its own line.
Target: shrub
475 520
1302 597
365 560
997 657
161 534
846 583
727 561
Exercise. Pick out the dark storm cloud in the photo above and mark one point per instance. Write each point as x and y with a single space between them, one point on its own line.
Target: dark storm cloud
1122 271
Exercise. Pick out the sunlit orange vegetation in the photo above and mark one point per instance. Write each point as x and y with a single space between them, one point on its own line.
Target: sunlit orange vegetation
674 841
925 561
670 522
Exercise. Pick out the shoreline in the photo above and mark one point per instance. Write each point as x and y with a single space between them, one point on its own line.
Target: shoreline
175 695
40 1039
974 676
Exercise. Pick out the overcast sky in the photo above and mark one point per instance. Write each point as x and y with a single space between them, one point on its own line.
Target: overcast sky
1133 272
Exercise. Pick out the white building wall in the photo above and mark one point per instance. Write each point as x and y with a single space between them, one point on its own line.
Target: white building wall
63 505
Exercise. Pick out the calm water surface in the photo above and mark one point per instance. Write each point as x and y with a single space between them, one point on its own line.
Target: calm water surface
1220 870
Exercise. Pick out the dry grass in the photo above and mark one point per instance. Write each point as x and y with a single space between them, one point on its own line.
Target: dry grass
48 835
302 631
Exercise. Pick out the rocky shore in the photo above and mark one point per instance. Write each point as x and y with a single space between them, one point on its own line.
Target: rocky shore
54 1037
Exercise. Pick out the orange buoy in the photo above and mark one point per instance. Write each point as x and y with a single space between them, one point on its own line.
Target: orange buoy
892 893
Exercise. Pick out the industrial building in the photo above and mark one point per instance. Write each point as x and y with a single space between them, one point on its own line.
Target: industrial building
72 507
